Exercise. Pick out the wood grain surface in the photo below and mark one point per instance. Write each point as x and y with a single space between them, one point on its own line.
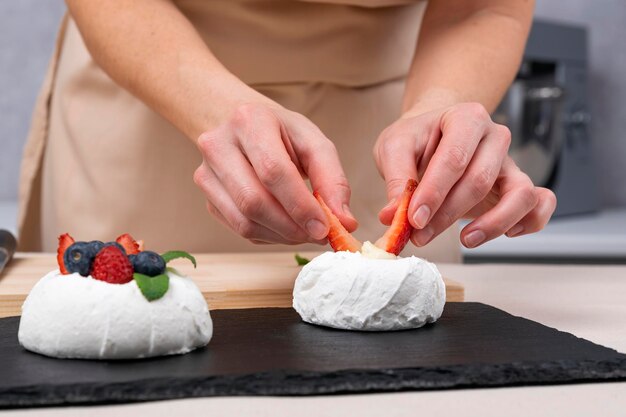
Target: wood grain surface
227 281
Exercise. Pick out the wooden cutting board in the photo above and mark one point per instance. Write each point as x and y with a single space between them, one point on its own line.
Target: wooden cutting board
228 281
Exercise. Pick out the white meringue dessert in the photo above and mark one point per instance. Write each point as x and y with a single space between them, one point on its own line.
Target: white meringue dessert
72 316
371 290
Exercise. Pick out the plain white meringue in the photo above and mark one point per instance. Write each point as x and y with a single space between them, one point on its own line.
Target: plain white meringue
350 291
70 316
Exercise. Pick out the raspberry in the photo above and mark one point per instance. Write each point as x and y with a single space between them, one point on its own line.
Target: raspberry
112 265
117 245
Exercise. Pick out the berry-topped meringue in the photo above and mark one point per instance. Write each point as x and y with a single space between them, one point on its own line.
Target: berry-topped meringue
114 301
365 286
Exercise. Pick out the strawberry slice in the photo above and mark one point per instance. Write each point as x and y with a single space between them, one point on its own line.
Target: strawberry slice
398 234
65 241
338 237
129 244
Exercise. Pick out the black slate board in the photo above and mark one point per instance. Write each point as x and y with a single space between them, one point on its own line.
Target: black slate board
272 352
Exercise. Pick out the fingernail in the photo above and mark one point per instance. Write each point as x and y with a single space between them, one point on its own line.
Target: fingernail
389 204
346 211
421 216
316 229
422 237
515 230
475 238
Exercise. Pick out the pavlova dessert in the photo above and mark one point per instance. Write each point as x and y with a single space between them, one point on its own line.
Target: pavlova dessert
114 301
365 286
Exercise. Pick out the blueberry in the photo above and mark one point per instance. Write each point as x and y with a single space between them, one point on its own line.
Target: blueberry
78 258
96 245
120 247
148 263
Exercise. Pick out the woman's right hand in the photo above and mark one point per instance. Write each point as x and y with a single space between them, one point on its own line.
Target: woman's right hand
253 176
254 157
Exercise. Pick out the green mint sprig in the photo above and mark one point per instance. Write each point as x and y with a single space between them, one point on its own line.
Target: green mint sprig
152 288
301 260
155 287
175 254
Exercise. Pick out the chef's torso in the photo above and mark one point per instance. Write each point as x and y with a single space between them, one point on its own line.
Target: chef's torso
99 162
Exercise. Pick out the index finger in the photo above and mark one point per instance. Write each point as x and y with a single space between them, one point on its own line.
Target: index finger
280 176
460 135
397 162
322 164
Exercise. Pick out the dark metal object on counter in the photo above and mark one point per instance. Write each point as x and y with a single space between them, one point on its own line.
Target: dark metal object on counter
7 248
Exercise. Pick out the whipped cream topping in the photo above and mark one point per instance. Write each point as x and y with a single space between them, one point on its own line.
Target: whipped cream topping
369 250
70 316
350 291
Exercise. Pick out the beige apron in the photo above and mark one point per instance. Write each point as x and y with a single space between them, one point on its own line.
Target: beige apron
99 162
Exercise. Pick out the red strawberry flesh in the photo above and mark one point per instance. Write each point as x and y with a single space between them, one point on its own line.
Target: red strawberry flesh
129 244
112 265
338 237
399 233
65 241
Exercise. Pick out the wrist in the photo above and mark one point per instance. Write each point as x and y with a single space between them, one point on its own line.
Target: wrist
228 93
214 96
432 99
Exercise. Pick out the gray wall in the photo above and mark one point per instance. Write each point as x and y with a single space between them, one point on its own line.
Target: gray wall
29 27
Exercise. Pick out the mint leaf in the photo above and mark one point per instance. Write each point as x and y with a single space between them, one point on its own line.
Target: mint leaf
152 288
301 260
174 254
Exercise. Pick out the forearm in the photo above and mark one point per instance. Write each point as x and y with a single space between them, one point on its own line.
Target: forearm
468 51
152 50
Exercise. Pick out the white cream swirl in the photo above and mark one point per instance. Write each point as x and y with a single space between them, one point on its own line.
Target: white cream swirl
369 250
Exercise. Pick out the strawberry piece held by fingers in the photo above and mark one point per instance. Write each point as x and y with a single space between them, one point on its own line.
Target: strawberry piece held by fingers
399 233
65 241
338 237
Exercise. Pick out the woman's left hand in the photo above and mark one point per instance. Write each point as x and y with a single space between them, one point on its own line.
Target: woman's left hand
460 157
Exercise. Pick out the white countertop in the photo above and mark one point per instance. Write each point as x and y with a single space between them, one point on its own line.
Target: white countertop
588 301
597 235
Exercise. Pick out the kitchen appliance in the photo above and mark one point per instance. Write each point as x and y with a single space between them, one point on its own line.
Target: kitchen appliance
546 109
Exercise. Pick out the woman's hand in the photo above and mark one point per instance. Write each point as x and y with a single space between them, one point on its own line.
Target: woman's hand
253 171
460 156
254 155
